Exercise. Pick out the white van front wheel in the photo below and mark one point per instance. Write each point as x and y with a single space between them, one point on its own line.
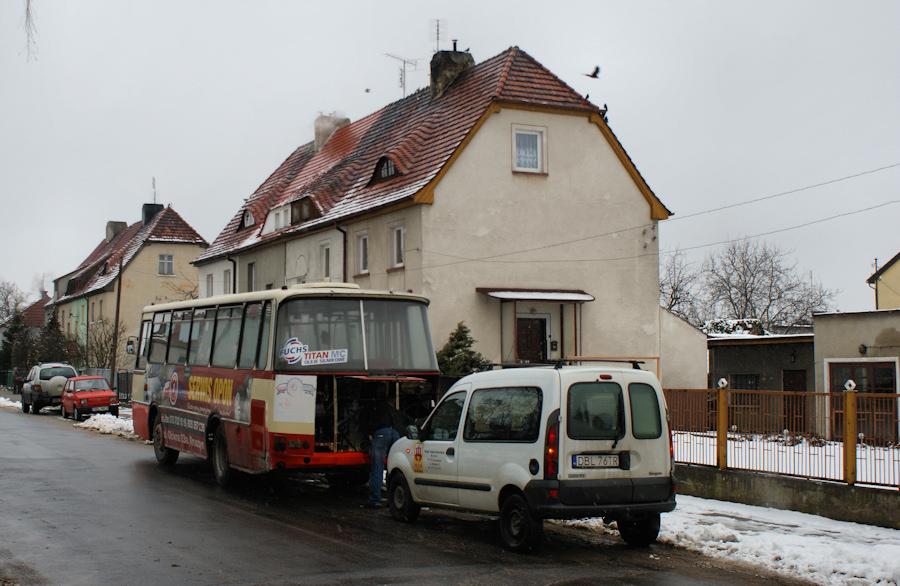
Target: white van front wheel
403 507
519 530
640 531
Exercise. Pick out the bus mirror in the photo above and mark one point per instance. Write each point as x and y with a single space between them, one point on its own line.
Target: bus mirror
412 432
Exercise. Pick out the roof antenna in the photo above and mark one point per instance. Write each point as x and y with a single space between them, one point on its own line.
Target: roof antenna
154 190
405 62
436 25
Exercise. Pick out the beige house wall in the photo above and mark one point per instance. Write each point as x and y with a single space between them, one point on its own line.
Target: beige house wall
583 225
682 363
872 336
887 288
220 271
379 229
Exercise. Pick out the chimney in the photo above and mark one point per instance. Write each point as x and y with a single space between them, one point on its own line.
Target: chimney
149 211
326 126
113 228
445 67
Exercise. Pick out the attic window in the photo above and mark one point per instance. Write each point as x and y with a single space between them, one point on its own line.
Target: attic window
303 210
248 219
384 170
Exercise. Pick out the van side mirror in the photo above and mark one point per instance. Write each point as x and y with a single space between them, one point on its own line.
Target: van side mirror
412 432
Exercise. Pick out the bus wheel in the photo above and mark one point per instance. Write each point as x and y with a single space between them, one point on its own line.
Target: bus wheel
221 468
165 456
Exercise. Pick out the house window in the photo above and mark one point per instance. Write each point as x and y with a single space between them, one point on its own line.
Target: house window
248 219
325 261
745 382
302 211
101 310
166 264
529 149
362 249
397 247
278 220
251 276
209 285
385 169
226 278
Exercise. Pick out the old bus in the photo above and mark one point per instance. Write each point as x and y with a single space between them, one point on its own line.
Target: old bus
277 379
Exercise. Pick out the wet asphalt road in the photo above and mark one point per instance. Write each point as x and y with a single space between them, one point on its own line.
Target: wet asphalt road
80 508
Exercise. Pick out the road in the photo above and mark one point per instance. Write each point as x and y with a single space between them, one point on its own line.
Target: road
81 508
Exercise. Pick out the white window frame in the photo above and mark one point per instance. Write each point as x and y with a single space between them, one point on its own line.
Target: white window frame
209 285
398 237
541 133
166 261
251 276
325 261
227 282
362 254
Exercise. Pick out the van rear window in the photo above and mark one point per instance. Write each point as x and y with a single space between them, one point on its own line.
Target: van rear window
504 415
595 411
645 420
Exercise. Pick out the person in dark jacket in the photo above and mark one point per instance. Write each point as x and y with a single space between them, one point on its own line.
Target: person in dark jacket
380 422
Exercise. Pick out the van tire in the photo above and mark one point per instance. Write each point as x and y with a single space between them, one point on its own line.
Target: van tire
221 467
165 456
519 530
403 507
640 531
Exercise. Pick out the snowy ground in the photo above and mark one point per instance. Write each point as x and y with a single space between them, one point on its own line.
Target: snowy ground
794 544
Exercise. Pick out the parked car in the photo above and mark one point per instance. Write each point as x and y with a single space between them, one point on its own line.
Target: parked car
84 395
538 443
43 386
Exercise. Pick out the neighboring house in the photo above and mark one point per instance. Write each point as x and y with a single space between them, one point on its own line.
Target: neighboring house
762 362
863 347
499 193
155 257
886 282
683 351
33 316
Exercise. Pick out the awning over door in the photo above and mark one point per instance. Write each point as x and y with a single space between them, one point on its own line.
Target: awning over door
539 295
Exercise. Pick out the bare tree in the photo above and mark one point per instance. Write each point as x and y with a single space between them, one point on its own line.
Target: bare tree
96 350
679 287
12 300
749 279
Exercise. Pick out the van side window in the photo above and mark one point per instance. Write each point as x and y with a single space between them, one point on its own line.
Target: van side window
504 415
645 419
595 411
444 422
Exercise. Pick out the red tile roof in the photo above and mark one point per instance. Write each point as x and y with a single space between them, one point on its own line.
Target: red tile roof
101 267
33 315
419 135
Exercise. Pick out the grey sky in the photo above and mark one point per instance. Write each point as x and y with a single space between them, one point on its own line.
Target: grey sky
716 102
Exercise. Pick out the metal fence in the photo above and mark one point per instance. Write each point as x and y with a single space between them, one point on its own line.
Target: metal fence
846 437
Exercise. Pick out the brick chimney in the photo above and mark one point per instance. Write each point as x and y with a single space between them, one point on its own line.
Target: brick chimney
113 228
149 211
445 67
326 126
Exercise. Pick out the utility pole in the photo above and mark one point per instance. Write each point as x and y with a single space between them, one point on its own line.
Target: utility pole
115 344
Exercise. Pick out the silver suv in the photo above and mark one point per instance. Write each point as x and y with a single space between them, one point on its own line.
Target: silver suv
44 386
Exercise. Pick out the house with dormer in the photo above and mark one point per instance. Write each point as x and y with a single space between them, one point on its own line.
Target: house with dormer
134 266
498 192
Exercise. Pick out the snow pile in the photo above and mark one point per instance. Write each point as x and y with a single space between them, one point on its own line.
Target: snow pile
109 424
794 544
11 405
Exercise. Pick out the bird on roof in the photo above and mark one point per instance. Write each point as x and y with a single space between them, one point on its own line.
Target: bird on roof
595 74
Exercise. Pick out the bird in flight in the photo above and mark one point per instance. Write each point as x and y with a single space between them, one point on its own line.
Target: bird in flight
595 74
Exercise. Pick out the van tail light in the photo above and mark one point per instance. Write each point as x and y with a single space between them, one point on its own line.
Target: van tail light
36 388
551 452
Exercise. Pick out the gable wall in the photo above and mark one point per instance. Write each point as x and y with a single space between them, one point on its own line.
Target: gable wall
482 209
887 288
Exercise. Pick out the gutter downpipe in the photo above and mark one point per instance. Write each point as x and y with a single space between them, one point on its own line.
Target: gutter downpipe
343 252
233 272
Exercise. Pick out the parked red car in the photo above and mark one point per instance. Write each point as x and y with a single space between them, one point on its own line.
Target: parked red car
85 395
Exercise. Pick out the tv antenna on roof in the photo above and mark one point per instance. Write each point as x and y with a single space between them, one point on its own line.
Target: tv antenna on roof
154 189
404 62
436 25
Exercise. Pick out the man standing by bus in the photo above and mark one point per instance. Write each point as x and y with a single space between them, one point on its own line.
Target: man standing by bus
378 422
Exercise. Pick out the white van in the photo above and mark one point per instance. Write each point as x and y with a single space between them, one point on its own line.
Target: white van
542 443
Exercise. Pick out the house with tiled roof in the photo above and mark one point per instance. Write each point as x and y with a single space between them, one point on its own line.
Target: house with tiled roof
148 261
886 283
498 192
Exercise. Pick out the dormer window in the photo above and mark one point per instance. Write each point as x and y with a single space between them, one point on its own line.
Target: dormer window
384 170
247 220
303 210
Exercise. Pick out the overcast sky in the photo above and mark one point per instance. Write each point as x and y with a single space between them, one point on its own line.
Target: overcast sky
717 103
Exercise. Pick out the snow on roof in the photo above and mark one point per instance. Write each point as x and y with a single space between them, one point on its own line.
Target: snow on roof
538 295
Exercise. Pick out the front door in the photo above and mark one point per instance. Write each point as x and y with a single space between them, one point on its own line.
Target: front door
531 339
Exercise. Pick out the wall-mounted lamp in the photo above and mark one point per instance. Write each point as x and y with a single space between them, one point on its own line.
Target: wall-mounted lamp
863 349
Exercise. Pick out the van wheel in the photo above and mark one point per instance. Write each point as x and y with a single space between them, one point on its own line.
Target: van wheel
221 468
403 507
518 528
165 456
640 531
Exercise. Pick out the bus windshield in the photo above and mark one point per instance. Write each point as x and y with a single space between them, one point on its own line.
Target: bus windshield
353 335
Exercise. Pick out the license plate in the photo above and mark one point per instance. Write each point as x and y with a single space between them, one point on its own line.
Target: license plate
595 461
98 409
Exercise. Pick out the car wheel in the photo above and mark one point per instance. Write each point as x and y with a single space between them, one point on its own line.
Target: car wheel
403 507
518 528
165 456
114 411
76 414
62 411
221 468
640 531
25 406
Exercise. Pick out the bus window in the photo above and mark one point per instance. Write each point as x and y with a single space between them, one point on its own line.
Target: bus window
144 345
253 321
319 334
228 332
397 336
159 339
178 341
202 336
263 356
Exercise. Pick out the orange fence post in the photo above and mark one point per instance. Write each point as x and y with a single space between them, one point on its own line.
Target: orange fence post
722 427
850 432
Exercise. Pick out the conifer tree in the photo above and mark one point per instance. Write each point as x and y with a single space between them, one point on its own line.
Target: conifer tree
456 358
52 345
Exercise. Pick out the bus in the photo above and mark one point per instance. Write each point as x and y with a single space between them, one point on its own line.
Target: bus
278 379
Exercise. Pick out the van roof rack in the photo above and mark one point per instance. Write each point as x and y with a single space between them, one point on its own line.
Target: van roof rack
635 364
502 365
